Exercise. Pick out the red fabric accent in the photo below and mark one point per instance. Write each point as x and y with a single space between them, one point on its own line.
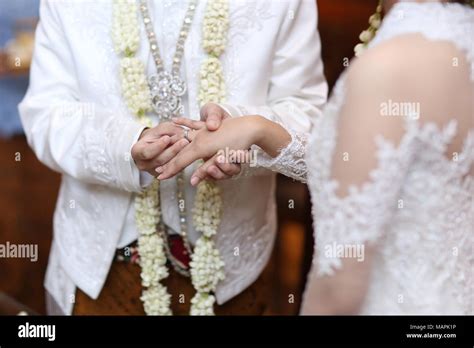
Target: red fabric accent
178 250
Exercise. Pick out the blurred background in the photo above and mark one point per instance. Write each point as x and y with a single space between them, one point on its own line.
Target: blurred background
28 189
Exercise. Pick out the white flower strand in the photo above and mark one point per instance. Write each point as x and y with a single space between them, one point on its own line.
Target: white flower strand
134 86
212 87
125 32
156 300
145 210
135 90
207 267
215 27
202 304
207 209
126 39
214 41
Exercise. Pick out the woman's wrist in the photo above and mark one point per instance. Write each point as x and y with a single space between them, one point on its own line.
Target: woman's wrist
268 135
256 129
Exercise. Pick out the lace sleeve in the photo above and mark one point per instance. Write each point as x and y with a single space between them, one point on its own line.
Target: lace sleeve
291 159
361 157
390 174
346 224
355 176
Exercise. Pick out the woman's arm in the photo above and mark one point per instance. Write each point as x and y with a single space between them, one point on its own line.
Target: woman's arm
235 134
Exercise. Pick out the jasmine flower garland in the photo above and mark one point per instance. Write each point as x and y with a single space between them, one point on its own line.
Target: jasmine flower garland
207 267
214 41
134 86
135 90
125 33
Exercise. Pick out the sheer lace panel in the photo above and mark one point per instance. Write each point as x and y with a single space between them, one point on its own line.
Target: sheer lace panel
291 159
416 202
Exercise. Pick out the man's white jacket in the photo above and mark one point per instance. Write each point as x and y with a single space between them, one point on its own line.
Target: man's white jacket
78 125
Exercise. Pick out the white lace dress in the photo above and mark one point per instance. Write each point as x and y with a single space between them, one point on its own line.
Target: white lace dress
417 207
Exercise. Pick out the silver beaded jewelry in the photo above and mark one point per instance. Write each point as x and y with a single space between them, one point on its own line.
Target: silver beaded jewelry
167 88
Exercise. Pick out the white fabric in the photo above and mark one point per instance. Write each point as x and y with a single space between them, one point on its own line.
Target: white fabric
424 249
272 61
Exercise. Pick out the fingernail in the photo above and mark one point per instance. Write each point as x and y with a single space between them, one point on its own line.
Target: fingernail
194 180
166 139
160 177
213 124
159 170
220 159
174 119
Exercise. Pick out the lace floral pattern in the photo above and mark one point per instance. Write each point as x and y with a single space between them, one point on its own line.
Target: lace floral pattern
416 206
291 159
434 22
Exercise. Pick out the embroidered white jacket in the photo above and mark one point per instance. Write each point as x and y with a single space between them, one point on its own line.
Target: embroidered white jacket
77 123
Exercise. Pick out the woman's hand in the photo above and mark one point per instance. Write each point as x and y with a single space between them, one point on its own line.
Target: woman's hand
233 134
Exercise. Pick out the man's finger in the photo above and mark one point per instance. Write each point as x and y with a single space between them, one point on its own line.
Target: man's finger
200 173
213 115
216 173
166 128
170 152
148 150
229 169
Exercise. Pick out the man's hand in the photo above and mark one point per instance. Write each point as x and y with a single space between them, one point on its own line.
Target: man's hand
213 115
156 146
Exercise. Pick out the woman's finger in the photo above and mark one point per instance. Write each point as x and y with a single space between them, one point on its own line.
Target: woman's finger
182 121
183 159
170 153
148 150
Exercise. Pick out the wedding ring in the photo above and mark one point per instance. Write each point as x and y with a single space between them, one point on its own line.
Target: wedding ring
186 134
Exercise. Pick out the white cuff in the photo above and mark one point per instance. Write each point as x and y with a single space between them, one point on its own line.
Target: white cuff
232 110
128 173
145 179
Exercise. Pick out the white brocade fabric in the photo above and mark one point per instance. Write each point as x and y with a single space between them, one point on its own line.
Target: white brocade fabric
78 125
425 258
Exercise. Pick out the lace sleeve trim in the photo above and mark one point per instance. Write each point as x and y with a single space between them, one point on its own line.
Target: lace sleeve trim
291 159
